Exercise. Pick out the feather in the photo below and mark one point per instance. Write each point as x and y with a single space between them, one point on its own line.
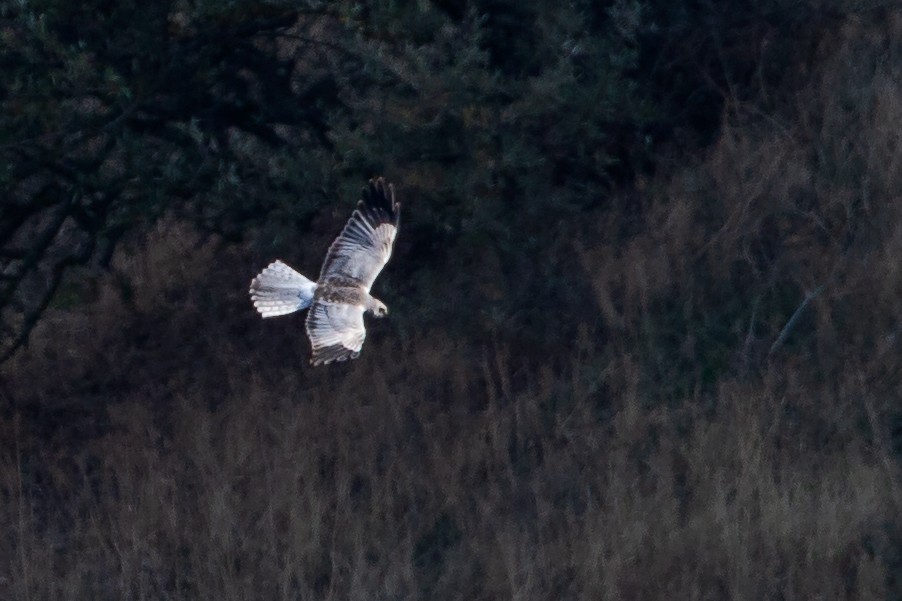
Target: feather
336 331
280 290
365 244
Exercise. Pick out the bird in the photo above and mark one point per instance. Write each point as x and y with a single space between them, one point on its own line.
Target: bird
341 295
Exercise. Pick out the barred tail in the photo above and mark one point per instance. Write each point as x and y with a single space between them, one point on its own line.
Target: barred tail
280 290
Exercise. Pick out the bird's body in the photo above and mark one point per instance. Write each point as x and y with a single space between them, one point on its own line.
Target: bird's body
338 291
338 300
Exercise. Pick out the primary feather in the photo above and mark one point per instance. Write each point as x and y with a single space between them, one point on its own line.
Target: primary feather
336 332
364 245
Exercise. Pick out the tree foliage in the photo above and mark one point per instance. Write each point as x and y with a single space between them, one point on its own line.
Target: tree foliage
238 115
507 125
115 114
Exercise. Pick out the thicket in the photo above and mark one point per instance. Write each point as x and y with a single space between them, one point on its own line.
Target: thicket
645 300
509 123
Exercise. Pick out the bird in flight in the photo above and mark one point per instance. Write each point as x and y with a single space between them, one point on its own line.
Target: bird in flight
341 296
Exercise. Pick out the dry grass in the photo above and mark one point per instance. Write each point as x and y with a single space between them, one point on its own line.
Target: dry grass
356 486
166 444
426 469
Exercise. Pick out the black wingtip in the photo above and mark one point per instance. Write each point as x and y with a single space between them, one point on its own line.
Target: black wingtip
332 354
379 196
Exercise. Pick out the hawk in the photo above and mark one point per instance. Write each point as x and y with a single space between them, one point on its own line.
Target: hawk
341 296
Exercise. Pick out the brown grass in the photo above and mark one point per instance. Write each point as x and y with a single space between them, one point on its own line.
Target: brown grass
356 486
426 469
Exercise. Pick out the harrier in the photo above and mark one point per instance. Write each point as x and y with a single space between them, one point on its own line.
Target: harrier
341 296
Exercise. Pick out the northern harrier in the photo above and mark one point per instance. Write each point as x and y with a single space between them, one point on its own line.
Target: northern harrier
340 297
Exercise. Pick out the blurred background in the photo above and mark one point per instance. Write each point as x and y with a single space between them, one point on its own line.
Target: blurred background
645 300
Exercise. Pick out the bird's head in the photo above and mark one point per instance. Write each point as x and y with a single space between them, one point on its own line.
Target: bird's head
378 308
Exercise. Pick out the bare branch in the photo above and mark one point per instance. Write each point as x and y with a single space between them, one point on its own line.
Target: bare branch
33 316
787 329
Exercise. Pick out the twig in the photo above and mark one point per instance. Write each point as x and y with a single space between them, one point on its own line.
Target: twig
787 329
750 336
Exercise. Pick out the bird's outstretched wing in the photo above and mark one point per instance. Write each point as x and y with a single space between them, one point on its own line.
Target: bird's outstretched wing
336 331
364 245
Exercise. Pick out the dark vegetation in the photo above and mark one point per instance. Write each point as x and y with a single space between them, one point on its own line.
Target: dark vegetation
645 305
